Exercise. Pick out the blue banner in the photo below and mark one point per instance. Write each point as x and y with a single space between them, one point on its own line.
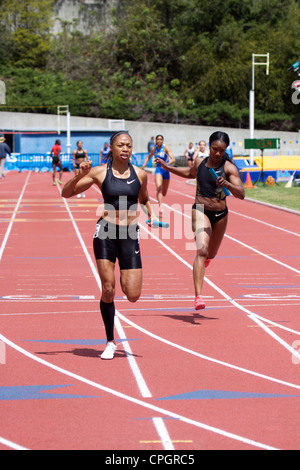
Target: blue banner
43 162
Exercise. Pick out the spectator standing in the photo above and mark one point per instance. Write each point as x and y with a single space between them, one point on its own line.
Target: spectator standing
4 150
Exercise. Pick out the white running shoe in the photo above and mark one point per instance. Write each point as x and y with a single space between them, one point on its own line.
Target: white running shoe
109 351
78 196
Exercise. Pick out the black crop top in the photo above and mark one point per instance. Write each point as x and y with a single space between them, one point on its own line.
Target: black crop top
80 154
118 192
206 183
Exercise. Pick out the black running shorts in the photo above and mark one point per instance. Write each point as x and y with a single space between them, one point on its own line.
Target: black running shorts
118 241
214 216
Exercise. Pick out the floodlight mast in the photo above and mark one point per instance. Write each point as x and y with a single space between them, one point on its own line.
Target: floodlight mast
251 96
65 110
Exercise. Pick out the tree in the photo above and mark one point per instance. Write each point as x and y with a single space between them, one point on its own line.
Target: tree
27 25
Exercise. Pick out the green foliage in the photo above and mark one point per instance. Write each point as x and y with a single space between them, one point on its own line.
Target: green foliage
183 61
27 27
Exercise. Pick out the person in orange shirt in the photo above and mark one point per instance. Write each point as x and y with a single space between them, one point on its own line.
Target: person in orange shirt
55 155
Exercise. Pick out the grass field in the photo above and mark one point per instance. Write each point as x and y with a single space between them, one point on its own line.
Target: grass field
278 195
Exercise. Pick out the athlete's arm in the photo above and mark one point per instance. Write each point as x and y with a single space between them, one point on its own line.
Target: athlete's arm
170 154
234 183
83 181
144 198
148 158
185 172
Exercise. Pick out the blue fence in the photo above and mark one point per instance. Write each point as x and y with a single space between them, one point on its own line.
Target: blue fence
43 162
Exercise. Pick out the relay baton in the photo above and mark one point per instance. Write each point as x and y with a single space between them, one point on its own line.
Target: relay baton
157 223
212 171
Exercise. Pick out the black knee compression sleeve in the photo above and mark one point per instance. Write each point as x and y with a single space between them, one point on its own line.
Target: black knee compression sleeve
108 315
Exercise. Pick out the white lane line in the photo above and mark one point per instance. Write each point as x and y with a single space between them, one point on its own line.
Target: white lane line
137 401
257 319
163 433
145 392
141 383
263 254
207 358
265 223
239 242
251 315
245 216
3 244
11 445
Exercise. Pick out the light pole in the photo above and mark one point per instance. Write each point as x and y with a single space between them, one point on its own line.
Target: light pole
65 110
251 96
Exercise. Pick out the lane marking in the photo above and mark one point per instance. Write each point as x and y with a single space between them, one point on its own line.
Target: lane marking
12 219
239 242
145 392
257 319
11 445
137 401
251 315
243 215
163 434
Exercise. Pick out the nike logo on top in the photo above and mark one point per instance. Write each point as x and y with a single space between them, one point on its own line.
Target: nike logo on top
129 182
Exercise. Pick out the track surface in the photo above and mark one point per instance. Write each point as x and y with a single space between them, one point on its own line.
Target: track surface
226 377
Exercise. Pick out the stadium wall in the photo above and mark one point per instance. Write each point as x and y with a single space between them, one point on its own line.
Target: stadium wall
95 131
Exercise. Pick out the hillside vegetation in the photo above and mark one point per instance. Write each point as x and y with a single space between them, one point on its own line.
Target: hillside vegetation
186 61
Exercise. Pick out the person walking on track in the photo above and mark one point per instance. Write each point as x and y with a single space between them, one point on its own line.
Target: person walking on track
79 155
117 231
55 155
4 151
210 212
162 176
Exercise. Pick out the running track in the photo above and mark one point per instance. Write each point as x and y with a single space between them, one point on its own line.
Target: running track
226 377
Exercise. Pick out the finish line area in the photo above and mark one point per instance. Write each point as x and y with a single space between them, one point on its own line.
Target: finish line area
223 378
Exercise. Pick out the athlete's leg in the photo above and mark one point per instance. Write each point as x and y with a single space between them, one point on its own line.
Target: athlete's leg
107 307
218 231
2 162
60 172
53 172
159 183
131 283
165 186
202 230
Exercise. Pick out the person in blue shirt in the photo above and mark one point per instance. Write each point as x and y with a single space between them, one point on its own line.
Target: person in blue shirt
103 155
162 176
4 150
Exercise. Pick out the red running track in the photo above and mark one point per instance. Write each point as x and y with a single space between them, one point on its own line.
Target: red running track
223 378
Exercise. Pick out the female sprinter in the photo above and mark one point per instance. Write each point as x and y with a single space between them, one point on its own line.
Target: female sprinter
79 155
55 155
162 176
210 212
117 231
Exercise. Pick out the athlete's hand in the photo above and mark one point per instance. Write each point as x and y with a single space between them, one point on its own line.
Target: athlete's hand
162 162
84 167
221 182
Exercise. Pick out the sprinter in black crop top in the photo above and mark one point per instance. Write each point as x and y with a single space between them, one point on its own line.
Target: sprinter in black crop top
120 193
78 156
210 212
117 232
